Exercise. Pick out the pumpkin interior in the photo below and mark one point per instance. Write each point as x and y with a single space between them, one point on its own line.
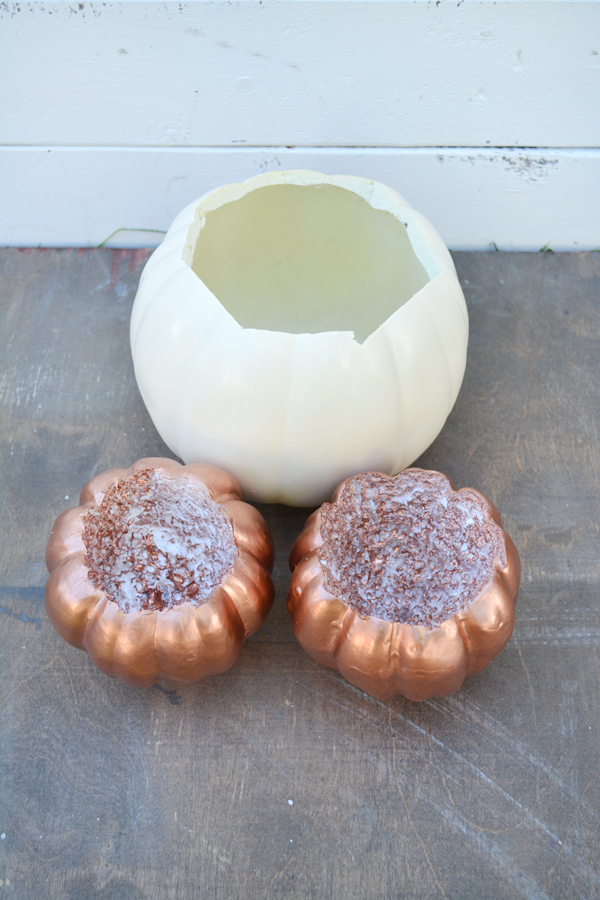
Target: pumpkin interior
306 259
156 542
408 549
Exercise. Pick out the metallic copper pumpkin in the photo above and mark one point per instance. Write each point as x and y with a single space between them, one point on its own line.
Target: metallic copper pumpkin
185 642
387 658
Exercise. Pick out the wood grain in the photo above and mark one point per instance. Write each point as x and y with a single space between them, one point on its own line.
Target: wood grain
174 793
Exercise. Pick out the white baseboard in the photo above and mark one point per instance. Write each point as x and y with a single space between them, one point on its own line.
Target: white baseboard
117 114
514 199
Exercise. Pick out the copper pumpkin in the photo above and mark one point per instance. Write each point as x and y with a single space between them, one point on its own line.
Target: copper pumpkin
104 560
404 585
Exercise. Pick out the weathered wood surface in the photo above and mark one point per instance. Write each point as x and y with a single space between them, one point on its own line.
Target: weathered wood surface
278 779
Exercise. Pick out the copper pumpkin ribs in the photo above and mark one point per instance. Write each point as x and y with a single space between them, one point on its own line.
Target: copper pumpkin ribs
404 585
161 571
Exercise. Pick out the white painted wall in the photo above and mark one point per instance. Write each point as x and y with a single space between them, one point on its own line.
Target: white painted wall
484 115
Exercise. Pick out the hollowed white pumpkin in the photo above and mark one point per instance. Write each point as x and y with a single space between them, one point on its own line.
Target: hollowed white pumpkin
298 328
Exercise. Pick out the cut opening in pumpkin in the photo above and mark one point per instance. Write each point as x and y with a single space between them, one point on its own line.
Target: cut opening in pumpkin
307 259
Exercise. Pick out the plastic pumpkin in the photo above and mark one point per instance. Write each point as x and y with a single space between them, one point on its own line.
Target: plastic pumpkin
161 571
404 585
298 328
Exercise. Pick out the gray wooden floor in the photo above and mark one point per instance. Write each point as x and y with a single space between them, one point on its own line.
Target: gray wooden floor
278 779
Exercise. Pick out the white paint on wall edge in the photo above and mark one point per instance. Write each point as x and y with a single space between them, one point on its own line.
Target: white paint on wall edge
404 73
515 199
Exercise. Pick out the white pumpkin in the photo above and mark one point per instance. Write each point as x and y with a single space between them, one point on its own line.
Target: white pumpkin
299 328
